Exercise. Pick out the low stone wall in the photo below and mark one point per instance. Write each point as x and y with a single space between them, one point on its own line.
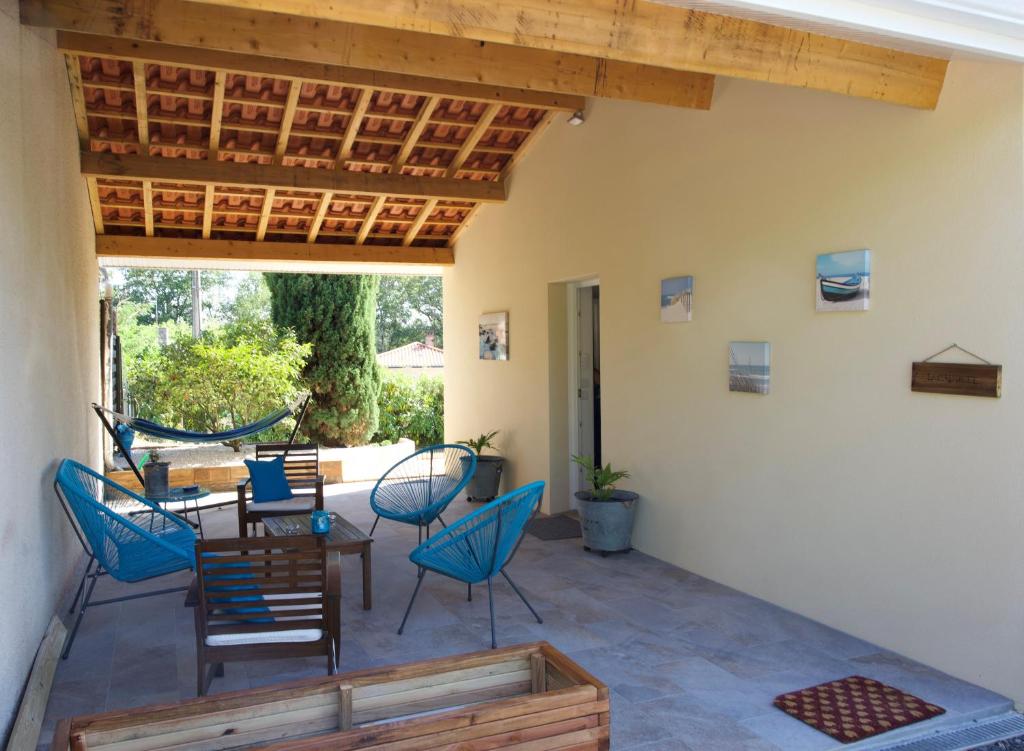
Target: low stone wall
357 464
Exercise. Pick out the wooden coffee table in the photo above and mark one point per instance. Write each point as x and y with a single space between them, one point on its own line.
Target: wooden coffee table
344 537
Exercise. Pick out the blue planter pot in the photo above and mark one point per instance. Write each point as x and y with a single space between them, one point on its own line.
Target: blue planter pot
608 525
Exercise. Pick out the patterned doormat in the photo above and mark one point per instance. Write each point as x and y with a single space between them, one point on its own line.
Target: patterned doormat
560 527
855 708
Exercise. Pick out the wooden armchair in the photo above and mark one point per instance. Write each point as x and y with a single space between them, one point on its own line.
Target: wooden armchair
252 603
302 468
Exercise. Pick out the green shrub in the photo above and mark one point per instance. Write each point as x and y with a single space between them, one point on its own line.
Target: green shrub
224 379
411 408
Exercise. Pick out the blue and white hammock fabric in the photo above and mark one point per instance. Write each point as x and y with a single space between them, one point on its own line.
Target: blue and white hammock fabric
157 430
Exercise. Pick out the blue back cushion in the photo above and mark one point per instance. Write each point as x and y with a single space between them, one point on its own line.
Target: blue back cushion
268 480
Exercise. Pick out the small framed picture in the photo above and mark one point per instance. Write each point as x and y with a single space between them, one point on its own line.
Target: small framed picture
677 299
750 367
843 281
494 336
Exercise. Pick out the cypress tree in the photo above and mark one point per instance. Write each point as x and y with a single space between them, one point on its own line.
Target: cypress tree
335 313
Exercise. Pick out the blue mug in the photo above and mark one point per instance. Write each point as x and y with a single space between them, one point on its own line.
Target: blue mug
320 522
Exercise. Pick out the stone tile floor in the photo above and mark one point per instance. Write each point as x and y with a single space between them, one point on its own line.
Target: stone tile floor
692 665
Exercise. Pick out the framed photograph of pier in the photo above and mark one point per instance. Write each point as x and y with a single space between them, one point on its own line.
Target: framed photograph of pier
843 281
677 299
494 336
750 366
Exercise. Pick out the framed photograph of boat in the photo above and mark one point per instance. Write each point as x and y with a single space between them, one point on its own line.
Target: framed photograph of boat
750 367
494 336
843 281
677 299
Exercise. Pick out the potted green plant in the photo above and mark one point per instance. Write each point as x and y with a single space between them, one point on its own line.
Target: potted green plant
484 484
155 473
606 513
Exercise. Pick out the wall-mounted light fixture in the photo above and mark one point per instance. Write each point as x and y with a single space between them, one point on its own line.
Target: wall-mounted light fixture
576 118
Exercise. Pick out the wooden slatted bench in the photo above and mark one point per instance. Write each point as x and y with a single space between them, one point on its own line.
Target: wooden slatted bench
525 697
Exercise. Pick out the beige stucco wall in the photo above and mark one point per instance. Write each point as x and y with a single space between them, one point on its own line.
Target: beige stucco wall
842 495
48 339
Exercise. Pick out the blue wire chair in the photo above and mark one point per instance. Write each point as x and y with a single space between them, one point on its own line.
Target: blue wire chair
123 534
419 488
480 545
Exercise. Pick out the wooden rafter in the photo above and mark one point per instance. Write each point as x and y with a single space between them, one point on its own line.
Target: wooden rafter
287 118
114 247
208 199
268 205
472 140
380 58
141 105
648 33
426 111
371 217
318 217
270 176
352 130
527 142
421 217
82 126
216 114
147 206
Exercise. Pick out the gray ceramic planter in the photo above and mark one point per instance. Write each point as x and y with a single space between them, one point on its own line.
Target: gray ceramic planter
608 525
486 481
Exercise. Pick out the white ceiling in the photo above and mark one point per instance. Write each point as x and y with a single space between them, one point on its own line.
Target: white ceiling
945 28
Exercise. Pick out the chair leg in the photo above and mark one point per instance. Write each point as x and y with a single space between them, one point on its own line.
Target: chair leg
200 674
490 601
419 581
78 621
81 584
469 592
374 525
521 596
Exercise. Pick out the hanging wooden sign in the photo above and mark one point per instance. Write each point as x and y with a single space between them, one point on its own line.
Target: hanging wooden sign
984 379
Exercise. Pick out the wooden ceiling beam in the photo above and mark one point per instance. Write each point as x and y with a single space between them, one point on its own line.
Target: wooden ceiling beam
126 167
82 126
648 33
352 130
208 199
114 247
216 114
371 217
427 107
481 126
265 209
421 217
318 217
287 118
169 31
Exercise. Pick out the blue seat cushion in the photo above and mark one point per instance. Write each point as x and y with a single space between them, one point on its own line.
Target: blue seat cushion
269 482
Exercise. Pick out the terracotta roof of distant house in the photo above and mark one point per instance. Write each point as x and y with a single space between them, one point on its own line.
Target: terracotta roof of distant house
413 355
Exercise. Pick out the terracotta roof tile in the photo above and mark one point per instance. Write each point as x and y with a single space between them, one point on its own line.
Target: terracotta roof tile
178 109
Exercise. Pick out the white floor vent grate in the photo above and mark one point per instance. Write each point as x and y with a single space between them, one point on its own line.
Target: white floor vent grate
966 737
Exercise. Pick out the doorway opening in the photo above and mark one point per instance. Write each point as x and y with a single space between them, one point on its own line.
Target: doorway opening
585 377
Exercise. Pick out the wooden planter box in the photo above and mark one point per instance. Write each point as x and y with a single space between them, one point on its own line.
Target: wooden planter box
526 697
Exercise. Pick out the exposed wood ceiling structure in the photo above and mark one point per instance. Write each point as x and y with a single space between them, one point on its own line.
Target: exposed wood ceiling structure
372 130
205 149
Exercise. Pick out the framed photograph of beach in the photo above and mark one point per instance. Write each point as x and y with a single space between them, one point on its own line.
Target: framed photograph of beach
750 366
677 299
494 336
843 281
